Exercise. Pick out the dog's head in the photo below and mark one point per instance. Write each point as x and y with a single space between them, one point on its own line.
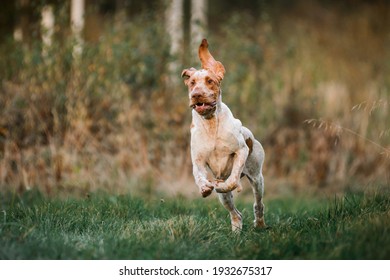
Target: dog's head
204 84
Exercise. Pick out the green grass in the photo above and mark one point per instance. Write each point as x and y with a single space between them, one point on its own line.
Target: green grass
105 226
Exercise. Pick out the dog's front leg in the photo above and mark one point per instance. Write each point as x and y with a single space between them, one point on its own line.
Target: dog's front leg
233 181
200 175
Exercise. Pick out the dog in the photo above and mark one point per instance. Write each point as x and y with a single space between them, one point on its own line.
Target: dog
220 143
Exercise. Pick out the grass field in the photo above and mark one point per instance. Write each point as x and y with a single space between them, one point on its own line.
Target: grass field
105 226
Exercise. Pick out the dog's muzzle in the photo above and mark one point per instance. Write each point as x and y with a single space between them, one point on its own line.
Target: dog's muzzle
204 108
204 105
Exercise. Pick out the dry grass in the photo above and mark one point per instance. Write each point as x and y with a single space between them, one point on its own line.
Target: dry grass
312 83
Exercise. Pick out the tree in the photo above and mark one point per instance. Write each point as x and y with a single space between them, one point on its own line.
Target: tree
21 29
174 27
198 24
47 27
77 24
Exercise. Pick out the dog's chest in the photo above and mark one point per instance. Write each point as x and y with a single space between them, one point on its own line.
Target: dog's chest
217 145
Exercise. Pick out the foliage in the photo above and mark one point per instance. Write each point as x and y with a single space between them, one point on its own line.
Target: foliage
111 118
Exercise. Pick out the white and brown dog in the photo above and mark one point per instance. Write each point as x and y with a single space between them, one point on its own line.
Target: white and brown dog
220 142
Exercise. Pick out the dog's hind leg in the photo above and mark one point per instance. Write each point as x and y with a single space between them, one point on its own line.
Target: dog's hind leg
235 216
253 170
258 207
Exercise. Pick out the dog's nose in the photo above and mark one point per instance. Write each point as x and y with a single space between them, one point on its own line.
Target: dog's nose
196 95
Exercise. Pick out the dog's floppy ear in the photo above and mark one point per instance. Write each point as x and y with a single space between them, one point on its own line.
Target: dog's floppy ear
187 73
208 61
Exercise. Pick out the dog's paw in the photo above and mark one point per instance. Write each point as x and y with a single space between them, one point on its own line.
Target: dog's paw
260 223
206 190
224 187
221 187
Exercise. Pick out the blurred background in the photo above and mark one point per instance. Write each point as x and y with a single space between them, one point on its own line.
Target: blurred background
91 97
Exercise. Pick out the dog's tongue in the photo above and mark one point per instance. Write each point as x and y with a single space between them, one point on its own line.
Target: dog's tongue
202 107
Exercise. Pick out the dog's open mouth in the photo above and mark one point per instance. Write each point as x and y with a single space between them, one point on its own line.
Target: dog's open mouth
204 108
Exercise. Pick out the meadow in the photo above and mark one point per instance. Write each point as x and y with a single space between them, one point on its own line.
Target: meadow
106 226
95 148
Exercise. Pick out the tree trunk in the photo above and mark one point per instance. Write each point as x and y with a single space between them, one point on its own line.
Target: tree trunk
22 31
77 23
47 28
174 26
198 25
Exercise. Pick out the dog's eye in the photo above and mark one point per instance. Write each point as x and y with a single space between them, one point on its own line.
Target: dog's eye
210 81
192 83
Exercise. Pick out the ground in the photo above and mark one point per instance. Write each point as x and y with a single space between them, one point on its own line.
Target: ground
106 226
